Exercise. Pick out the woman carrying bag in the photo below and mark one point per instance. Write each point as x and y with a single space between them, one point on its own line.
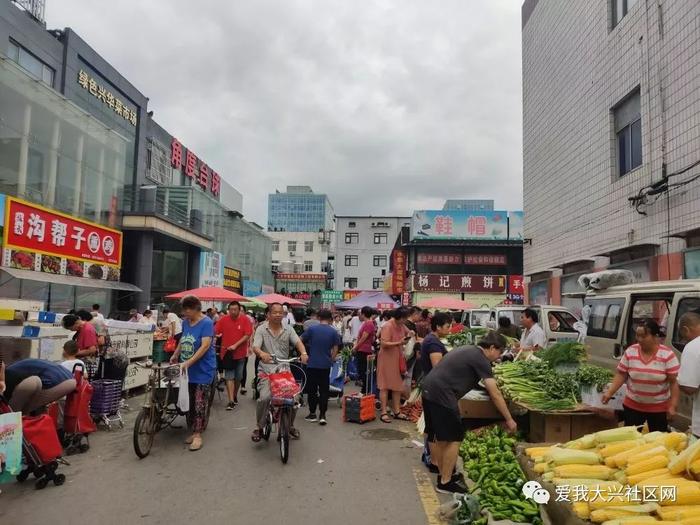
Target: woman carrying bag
197 358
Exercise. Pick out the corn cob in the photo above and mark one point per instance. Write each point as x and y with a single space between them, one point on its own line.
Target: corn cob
638 520
683 460
558 456
581 509
636 458
665 480
633 480
540 468
652 463
584 471
604 513
537 451
620 446
686 494
674 441
690 521
548 476
616 434
620 460
679 512
695 467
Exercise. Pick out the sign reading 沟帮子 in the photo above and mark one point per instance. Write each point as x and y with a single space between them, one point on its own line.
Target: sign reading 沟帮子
433 282
33 228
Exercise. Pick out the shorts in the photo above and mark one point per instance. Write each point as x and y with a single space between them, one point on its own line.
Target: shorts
236 372
442 423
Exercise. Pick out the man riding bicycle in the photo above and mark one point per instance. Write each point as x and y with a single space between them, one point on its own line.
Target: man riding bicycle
272 338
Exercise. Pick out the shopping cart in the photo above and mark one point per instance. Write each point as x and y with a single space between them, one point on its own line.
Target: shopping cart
106 399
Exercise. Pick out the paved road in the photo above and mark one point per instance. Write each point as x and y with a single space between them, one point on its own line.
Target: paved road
334 475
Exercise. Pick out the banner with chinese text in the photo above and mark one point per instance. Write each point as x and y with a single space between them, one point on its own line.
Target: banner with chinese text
466 225
232 279
433 282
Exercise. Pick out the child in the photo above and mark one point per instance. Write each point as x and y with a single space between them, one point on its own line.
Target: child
70 350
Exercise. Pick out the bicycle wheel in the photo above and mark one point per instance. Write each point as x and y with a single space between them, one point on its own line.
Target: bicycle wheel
144 432
267 430
284 434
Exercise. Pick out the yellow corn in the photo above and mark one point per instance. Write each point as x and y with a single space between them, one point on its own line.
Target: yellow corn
620 460
581 509
540 468
674 441
537 451
679 512
681 462
548 476
652 463
584 471
691 521
616 434
639 520
686 494
620 446
636 458
695 467
626 512
664 479
633 480
560 456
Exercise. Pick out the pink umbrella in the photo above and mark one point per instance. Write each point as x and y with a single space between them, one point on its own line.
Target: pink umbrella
446 303
277 298
209 293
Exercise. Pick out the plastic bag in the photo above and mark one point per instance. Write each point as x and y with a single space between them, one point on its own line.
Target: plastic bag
170 345
283 385
183 396
10 445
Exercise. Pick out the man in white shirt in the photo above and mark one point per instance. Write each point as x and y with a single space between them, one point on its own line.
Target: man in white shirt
96 313
355 325
173 324
689 374
288 319
533 337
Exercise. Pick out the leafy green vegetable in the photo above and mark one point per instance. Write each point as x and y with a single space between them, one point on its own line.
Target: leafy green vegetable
569 352
591 375
536 385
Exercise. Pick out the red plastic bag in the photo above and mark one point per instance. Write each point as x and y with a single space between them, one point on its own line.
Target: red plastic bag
40 431
403 367
283 385
170 345
77 418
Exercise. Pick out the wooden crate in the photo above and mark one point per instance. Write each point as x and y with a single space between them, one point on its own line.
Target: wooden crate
562 427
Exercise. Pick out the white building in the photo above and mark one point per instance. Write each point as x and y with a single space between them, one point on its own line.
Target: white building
611 105
307 251
363 250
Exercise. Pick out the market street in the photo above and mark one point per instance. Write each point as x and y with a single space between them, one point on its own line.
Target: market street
333 476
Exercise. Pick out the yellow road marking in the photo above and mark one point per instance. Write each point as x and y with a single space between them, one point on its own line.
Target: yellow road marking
428 496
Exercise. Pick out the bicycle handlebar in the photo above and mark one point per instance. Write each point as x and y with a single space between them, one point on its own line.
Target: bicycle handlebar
278 360
162 366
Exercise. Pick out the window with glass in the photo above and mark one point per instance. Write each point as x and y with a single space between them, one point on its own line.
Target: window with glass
351 260
31 64
628 133
377 283
308 266
689 304
292 246
380 238
352 224
350 282
379 260
620 8
275 266
275 246
605 318
308 246
352 238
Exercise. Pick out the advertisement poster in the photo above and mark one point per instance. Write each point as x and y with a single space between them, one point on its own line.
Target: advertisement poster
252 288
211 269
515 225
232 279
459 224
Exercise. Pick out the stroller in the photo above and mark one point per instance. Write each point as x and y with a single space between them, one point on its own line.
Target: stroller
77 421
337 380
41 449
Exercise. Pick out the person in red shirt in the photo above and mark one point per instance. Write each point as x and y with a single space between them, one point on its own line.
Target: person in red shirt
86 338
235 330
363 347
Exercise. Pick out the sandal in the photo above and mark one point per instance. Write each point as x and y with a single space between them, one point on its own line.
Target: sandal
294 433
188 441
401 417
256 436
385 418
196 444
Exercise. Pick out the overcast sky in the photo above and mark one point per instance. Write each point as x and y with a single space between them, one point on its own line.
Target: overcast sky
386 106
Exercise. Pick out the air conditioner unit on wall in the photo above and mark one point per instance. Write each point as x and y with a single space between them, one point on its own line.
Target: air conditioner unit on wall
292 254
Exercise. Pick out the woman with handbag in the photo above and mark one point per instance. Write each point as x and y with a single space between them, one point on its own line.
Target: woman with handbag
197 358
391 363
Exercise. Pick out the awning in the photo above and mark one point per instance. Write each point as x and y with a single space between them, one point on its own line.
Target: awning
69 279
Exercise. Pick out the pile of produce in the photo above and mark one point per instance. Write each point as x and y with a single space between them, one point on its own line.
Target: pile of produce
470 336
622 477
489 461
595 376
569 352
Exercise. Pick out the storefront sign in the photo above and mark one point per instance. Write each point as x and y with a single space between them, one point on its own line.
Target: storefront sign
37 230
512 298
349 294
459 224
515 285
232 279
252 288
194 168
332 296
301 277
301 296
385 306
486 260
134 345
398 276
432 282
439 258
211 269
406 299
103 94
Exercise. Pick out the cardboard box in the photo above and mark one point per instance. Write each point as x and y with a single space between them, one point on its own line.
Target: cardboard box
560 428
470 409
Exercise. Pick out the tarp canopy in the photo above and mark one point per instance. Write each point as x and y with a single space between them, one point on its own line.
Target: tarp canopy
271 298
69 279
379 300
209 293
446 303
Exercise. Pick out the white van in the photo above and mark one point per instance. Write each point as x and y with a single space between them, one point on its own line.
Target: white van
616 312
556 321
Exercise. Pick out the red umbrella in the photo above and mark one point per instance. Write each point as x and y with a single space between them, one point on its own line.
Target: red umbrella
209 293
277 298
446 303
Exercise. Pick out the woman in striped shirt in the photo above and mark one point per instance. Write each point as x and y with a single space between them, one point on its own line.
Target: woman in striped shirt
650 370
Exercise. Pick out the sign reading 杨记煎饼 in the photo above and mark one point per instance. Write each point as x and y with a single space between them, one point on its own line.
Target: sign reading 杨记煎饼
433 282
35 229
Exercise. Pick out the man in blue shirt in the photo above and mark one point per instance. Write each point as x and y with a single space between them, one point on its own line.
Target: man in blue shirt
322 342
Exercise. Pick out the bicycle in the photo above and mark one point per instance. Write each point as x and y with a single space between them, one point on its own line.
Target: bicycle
280 412
160 409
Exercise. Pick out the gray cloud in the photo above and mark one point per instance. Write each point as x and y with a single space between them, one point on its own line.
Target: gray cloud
387 106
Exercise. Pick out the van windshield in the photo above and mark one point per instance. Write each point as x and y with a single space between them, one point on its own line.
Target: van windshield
479 318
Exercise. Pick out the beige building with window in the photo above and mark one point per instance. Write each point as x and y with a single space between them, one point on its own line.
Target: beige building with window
611 141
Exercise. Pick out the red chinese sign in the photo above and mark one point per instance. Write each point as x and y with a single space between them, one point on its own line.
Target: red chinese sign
439 258
433 282
398 277
301 276
515 285
40 230
385 306
204 176
486 260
